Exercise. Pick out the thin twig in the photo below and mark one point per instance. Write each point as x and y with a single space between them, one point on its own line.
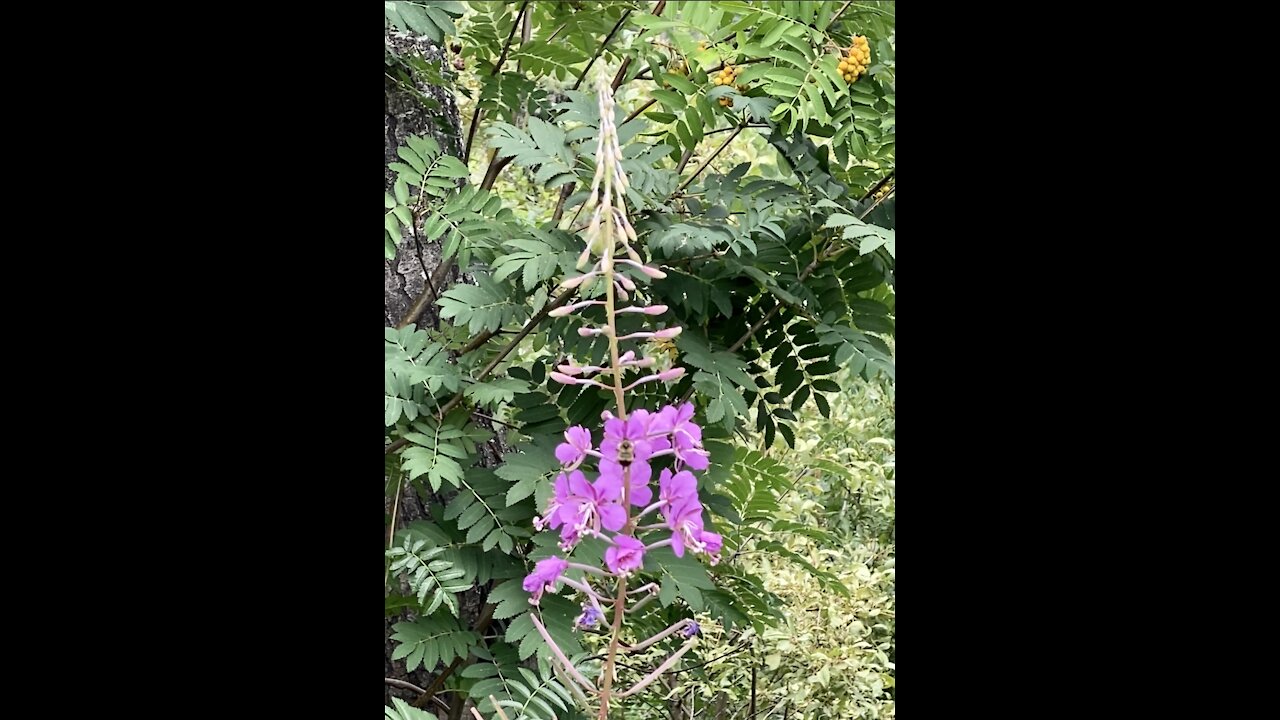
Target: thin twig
600 49
622 70
727 129
404 685
626 62
644 682
420 304
524 332
839 12
875 188
475 116
565 192
638 110
502 59
507 45
734 651
684 160
496 420
704 165
471 133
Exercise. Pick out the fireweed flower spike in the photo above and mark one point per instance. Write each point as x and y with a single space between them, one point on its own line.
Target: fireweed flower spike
630 444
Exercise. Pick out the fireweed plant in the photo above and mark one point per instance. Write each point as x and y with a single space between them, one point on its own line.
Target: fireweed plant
620 507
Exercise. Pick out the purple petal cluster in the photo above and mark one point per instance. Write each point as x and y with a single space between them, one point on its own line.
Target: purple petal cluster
580 508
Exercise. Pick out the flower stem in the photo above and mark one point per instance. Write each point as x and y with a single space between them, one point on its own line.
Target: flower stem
610 308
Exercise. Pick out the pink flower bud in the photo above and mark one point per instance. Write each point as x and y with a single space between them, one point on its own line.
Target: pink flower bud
627 356
668 333
652 272
570 369
572 283
655 309
562 311
563 379
672 374
588 332
627 283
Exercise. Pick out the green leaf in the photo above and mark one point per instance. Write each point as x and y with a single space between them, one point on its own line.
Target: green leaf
825 385
680 83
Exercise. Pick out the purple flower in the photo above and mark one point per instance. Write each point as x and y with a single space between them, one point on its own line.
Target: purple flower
573 451
685 434
712 542
690 630
589 617
675 488
634 428
640 493
587 507
545 576
560 497
695 458
624 555
685 520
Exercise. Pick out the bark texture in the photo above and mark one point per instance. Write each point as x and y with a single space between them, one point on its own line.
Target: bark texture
406 276
426 109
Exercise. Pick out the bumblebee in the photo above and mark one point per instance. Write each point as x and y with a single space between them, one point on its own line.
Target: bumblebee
626 453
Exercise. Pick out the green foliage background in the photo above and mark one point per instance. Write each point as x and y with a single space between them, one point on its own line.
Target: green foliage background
774 218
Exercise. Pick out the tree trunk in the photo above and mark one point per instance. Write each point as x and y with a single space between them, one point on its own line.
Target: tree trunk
406 276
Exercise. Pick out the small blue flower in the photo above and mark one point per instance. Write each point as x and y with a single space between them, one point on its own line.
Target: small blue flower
690 630
589 617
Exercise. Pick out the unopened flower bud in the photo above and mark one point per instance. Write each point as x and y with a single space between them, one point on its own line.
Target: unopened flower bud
574 282
672 374
563 379
668 333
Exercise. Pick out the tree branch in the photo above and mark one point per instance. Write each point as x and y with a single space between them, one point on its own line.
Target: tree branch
704 165
839 12
524 332
475 117
404 685
626 62
565 192
638 110
876 188
600 49
507 45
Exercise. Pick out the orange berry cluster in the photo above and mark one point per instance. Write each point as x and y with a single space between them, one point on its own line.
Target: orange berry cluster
856 60
726 77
